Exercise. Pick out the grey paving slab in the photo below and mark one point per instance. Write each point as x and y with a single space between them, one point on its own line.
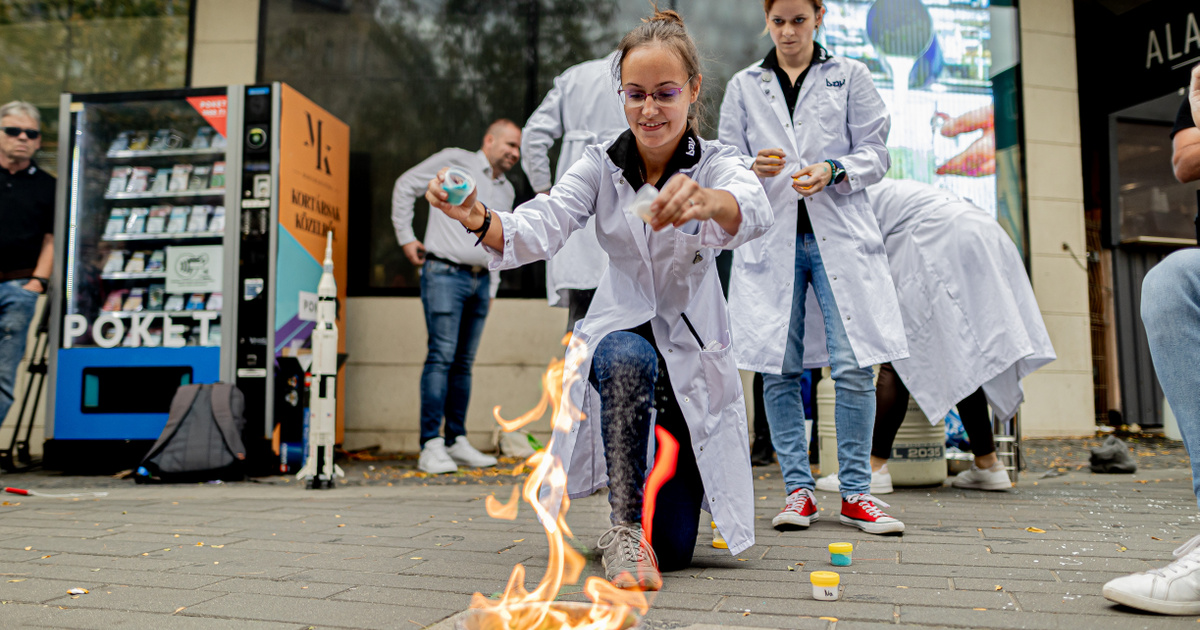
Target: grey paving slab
322 612
140 598
39 616
37 590
285 588
802 604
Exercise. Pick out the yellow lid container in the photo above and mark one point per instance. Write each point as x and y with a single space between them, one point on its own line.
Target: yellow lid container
840 547
824 578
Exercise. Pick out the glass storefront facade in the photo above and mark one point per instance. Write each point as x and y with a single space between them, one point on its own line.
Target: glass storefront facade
52 46
414 77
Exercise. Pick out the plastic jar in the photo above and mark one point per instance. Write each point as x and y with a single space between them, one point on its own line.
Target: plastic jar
825 585
458 185
839 554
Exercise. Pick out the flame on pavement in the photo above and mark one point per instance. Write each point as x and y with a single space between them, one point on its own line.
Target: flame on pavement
521 609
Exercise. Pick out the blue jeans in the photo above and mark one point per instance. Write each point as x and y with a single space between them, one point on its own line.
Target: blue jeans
16 311
456 305
854 413
1171 313
631 377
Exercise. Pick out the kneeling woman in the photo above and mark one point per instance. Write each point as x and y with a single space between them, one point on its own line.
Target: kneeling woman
655 342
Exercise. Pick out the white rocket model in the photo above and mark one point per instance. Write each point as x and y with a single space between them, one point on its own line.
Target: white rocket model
319 468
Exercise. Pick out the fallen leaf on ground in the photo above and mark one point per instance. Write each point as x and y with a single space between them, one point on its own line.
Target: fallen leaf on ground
1035 530
15 581
78 591
979 609
999 588
29 549
519 540
901 587
829 618
44 557
1155 538
179 609
217 546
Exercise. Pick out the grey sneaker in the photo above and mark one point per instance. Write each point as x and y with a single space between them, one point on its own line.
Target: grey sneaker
975 478
629 562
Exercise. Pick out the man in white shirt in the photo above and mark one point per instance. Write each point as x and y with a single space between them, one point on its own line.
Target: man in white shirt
456 290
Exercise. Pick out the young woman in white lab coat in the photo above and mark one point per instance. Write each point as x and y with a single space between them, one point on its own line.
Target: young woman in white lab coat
656 342
813 128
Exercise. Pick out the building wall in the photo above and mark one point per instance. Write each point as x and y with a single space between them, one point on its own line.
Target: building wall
225 47
1058 397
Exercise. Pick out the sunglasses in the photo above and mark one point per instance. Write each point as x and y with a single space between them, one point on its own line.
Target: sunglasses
14 132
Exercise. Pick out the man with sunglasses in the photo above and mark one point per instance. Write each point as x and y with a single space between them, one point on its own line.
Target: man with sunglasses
26 236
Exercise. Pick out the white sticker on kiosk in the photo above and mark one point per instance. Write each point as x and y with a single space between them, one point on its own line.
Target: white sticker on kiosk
251 288
194 269
308 307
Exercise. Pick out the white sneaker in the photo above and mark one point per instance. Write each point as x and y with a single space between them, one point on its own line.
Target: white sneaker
434 458
465 455
994 478
1171 590
881 482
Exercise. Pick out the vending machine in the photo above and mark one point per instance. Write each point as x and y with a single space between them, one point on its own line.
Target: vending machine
189 239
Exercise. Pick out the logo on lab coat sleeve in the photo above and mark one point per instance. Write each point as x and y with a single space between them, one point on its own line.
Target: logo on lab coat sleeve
691 150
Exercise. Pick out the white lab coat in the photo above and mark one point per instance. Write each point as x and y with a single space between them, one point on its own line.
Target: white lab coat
653 276
970 315
583 109
838 115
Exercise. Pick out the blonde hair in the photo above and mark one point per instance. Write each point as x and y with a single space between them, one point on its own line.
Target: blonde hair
666 29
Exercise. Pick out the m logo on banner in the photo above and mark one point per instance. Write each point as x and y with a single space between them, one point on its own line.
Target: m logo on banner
314 140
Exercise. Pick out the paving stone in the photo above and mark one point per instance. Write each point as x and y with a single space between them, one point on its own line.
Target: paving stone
39 616
803 604
141 598
403 597
957 617
323 612
37 590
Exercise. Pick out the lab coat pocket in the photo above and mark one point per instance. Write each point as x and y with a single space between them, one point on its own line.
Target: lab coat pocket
864 227
720 373
832 112
690 258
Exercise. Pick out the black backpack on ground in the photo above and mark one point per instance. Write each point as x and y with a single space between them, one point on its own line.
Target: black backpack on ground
203 437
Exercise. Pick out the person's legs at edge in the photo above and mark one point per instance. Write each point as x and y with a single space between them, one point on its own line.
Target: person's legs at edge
854 412
16 311
986 473
785 409
624 370
444 291
458 391
891 405
1171 313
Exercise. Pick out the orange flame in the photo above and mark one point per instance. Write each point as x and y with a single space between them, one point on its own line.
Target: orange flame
504 511
518 608
664 469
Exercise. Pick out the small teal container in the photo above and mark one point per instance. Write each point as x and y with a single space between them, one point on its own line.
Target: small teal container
458 185
839 554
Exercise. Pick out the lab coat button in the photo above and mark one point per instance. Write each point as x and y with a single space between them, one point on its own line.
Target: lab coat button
686 399
847 318
669 350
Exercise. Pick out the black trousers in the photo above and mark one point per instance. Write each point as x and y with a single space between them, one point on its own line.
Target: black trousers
891 405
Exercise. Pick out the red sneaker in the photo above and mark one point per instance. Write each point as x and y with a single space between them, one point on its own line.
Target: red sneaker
799 511
862 511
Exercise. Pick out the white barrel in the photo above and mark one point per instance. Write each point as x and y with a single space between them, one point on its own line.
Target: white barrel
919 450
826 425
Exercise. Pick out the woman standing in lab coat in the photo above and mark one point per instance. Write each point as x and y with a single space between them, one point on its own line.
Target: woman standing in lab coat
813 128
656 341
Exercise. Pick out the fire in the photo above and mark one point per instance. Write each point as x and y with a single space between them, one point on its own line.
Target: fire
521 609
664 469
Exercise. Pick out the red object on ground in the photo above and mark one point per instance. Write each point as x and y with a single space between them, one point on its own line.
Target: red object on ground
34 493
664 469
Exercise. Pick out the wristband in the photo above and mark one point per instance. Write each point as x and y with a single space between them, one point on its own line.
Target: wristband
483 229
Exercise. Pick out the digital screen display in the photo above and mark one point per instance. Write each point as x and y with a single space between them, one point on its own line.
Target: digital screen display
931 62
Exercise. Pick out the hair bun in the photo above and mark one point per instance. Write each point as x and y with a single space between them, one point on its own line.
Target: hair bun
669 16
